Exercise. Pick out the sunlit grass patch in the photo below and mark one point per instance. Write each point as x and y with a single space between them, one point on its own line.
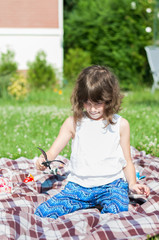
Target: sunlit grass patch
141 109
23 128
36 121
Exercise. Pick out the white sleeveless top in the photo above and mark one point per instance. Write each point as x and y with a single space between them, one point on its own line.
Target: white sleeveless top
97 157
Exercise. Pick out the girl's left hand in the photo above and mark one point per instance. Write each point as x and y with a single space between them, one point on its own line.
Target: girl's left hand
140 189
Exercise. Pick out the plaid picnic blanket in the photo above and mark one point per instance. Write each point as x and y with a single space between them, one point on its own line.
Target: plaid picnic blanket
17 219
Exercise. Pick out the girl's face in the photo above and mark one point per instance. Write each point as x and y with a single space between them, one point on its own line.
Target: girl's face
94 110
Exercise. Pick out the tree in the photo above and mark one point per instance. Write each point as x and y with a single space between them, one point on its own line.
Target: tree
114 32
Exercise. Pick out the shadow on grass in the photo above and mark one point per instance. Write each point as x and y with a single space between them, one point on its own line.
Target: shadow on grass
147 102
142 98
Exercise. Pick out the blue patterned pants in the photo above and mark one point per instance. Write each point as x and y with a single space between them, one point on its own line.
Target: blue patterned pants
112 198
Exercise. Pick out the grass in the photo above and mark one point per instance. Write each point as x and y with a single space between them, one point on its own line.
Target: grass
36 121
24 125
141 109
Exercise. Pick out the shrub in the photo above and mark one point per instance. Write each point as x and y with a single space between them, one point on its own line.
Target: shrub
8 67
75 60
40 73
114 32
7 63
18 87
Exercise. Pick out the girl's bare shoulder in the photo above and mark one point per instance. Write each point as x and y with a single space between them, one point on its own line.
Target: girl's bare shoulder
124 124
70 124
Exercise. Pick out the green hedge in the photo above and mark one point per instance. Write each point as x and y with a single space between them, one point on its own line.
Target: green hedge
114 33
75 60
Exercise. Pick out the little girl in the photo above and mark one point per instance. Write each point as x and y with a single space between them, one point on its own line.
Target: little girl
101 169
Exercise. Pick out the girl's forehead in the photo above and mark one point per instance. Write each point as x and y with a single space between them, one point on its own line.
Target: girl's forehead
98 101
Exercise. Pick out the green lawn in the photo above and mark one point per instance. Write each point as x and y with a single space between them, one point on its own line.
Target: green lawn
141 109
36 121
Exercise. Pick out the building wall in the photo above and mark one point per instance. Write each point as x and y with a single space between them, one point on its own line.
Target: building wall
29 14
27 26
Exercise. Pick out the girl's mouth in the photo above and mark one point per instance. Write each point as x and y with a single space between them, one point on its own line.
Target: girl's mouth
93 113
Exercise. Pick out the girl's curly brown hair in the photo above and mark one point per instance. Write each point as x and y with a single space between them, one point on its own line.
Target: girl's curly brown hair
97 84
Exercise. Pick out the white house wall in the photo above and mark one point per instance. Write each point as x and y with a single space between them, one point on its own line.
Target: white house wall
27 27
27 42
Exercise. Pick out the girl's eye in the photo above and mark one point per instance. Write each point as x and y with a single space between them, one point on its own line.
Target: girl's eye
88 103
99 103
108 102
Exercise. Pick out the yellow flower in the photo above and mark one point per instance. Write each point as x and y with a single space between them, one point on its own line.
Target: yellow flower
60 92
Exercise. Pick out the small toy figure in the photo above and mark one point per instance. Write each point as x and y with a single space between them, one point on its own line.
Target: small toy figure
138 176
29 178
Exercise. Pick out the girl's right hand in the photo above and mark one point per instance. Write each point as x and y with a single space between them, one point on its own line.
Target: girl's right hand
39 164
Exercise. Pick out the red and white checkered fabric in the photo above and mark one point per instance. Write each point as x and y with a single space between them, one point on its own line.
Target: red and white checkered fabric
17 219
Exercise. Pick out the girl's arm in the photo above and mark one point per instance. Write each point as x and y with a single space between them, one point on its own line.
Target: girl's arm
129 170
67 132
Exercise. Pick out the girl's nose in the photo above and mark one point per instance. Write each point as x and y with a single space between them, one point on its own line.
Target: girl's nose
93 108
